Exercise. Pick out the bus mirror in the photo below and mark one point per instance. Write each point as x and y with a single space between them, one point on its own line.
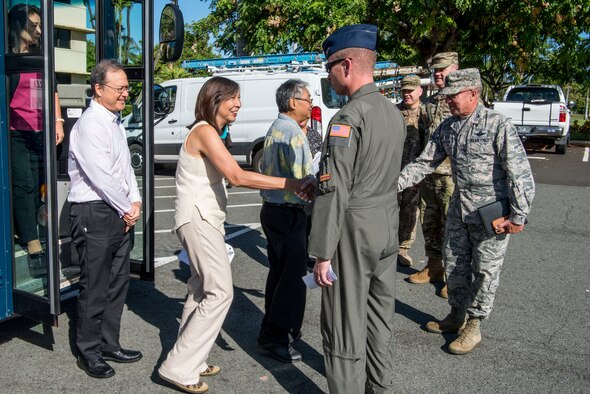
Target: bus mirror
171 33
161 102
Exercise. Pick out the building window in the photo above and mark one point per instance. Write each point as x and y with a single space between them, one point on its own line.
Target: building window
63 78
63 38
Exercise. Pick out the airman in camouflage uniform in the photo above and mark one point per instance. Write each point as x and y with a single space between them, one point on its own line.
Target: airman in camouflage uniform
488 163
409 200
436 189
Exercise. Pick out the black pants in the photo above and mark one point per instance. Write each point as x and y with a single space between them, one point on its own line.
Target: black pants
103 246
26 160
284 306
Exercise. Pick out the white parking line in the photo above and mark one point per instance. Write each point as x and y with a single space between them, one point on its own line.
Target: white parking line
586 154
537 158
160 261
250 227
229 206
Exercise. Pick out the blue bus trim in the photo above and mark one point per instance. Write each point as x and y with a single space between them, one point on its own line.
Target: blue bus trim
6 307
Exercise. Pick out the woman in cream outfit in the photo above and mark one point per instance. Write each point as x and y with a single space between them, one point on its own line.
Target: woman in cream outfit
201 201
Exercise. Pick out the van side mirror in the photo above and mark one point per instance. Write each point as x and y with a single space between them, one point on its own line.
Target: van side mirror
161 102
171 33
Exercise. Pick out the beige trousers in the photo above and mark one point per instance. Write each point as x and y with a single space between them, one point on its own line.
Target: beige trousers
210 293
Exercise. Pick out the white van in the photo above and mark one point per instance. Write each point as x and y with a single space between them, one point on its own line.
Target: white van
258 111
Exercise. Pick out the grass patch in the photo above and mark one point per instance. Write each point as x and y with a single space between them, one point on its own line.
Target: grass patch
578 117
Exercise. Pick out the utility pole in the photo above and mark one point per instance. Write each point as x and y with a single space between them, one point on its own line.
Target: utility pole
586 112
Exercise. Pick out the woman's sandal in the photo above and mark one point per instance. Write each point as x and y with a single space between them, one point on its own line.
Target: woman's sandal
211 370
200 387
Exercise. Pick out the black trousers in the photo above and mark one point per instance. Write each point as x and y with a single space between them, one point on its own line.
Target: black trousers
103 246
26 160
284 303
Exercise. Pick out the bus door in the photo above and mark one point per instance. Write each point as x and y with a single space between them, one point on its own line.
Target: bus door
50 46
29 103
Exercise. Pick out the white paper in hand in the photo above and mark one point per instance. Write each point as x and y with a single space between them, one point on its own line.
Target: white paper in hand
310 282
183 256
316 163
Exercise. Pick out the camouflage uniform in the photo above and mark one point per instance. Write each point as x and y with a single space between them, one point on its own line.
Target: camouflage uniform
436 188
409 199
488 163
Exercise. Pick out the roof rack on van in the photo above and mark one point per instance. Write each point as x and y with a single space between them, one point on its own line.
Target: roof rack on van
389 69
293 61
310 61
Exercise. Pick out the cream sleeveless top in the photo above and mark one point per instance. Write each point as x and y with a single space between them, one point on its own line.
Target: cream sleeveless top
199 184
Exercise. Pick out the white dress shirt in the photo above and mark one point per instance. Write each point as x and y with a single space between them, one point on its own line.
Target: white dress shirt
99 163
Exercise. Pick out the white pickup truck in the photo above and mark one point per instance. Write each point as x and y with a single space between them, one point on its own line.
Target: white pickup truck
540 114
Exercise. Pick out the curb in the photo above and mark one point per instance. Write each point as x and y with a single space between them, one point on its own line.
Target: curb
579 143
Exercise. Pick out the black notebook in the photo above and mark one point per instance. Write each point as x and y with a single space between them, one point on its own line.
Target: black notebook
490 212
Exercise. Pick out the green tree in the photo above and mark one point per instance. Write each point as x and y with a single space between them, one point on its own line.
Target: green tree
510 41
90 55
196 46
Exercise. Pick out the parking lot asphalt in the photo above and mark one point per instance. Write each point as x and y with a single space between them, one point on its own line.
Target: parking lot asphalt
537 339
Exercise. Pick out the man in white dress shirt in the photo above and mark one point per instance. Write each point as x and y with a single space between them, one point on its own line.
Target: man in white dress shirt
106 203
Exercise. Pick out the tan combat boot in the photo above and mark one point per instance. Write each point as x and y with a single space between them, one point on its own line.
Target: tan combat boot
433 272
469 339
403 258
454 322
444 292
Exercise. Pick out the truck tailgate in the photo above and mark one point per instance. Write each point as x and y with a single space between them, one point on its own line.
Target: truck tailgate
531 114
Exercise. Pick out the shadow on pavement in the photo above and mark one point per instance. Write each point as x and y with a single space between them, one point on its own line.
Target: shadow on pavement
243 323
29 331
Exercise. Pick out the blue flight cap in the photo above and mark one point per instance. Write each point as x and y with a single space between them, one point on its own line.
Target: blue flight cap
352 36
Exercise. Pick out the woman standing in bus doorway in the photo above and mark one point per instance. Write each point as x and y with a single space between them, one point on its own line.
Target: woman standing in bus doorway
201 200
26 132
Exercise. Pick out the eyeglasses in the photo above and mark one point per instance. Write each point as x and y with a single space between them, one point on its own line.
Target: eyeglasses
331 64
119 90
310 101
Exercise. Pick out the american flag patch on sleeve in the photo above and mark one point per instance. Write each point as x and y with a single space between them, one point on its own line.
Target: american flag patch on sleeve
340 130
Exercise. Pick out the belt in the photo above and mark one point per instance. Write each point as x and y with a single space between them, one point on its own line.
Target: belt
90 202
283 205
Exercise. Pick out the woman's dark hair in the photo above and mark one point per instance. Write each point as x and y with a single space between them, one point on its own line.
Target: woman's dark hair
215 91
18 17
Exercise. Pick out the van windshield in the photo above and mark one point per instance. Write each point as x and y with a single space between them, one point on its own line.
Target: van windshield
330 98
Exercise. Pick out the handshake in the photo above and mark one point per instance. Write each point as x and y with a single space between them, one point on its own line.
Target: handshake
304 188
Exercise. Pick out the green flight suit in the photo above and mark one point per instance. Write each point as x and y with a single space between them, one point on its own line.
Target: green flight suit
354 223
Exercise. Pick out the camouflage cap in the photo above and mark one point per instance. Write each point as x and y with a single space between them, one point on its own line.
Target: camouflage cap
410 82
461 80
444 59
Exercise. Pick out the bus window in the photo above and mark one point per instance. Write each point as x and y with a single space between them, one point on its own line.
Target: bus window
128 33
24 27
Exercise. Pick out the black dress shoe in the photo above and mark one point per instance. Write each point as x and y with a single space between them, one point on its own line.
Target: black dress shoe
283 353
122 356
96 368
